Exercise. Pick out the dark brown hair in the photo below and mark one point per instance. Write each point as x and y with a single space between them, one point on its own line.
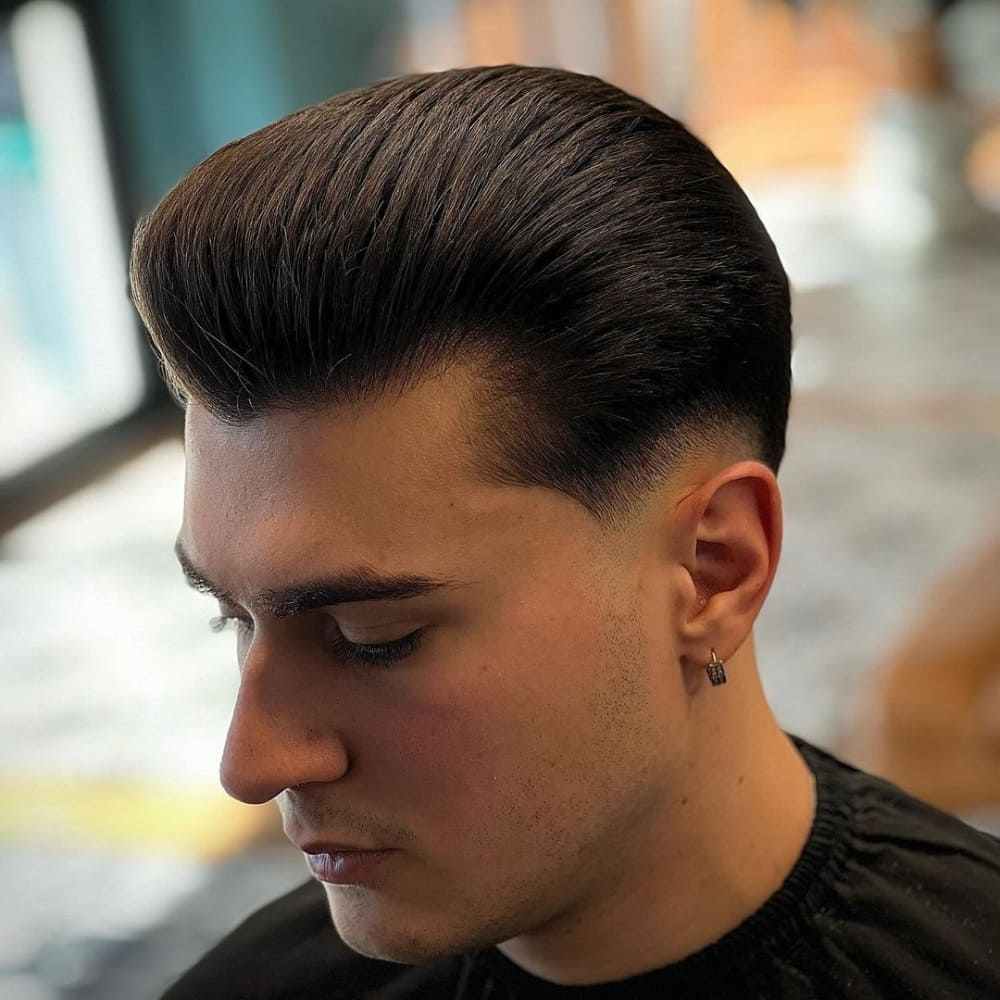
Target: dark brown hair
605 273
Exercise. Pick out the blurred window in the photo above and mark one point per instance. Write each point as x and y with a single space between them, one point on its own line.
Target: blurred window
69 354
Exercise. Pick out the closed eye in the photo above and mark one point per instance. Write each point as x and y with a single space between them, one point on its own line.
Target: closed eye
382 654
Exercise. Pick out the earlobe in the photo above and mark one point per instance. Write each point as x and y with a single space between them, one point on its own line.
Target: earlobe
734 542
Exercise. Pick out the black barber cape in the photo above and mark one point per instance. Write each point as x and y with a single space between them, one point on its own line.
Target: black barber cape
890 898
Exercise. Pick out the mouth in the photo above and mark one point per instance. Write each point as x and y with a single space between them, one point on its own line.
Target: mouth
338 865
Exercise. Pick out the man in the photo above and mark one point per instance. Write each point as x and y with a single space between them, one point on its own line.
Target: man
486 375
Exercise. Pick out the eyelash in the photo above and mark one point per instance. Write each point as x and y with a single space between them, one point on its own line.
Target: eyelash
383 654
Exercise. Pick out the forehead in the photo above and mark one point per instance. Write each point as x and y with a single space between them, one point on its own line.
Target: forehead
387 483
416 435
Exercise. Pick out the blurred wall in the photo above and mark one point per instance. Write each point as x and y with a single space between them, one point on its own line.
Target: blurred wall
185 76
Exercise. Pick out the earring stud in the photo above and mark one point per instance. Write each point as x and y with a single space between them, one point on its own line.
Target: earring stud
716 670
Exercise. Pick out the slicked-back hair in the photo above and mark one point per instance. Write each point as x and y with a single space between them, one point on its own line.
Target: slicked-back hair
603 273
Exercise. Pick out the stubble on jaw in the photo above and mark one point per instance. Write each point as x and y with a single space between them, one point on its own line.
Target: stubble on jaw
565 880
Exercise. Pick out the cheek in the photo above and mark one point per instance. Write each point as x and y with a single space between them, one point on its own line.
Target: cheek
513 733
453 742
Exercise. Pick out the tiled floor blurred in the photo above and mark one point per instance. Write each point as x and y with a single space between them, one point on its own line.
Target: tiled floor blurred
116 694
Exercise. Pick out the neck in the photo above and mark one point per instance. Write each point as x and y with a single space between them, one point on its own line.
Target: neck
734 826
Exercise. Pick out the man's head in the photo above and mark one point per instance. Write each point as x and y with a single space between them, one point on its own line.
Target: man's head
601 270
510 349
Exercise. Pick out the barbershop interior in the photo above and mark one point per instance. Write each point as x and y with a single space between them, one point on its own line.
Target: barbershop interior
867 136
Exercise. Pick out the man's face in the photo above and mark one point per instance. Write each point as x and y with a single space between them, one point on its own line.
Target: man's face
517 755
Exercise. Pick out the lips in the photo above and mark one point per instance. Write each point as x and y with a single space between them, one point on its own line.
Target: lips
338 865
329 847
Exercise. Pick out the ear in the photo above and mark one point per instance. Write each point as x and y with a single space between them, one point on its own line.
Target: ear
730 539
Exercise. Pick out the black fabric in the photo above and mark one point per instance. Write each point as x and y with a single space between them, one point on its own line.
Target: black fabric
889 898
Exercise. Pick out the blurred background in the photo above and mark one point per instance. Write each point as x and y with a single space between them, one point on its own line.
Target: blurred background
867 132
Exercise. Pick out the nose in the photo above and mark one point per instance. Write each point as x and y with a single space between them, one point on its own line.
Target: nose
277 737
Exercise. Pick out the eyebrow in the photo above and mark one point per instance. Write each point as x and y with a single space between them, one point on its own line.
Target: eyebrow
348 587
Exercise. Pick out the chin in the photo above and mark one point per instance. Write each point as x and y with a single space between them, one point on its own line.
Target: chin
378 931
406 945
374 931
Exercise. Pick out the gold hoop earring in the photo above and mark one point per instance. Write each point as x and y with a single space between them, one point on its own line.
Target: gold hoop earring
716 670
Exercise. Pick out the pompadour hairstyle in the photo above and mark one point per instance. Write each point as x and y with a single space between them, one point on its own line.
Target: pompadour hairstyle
602 272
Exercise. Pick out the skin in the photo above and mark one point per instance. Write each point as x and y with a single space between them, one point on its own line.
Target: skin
552 765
